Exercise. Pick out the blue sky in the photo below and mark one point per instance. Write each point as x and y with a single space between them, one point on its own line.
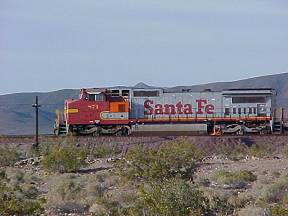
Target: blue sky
54 44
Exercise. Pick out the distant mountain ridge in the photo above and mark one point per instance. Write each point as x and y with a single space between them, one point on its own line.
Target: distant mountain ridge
142 85
17 115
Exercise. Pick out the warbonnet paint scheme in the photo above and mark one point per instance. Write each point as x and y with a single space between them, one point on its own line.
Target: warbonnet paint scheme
122 111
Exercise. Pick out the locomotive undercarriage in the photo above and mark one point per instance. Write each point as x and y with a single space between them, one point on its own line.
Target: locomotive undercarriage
99 130
219 128
241 128
213 128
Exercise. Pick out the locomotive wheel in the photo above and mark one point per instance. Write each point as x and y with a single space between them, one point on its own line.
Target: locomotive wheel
122 132
126 131
97 133
119 133
240 132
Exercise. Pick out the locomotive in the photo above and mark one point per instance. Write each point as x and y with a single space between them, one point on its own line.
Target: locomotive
125 111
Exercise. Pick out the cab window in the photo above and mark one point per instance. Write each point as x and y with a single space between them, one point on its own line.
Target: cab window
227 111
96 97
91 97
100 97
125 92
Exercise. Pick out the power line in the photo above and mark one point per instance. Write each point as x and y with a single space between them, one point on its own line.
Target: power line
45 115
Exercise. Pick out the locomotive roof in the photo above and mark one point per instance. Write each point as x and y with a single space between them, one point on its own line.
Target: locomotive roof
249 89
185 90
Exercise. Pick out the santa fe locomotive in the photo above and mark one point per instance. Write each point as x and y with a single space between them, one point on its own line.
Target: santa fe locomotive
125 111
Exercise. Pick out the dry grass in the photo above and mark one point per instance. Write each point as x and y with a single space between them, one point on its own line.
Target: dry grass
67 158
277 192
76 193
8 156
226 177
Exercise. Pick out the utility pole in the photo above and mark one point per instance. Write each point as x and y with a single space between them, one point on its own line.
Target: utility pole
36 106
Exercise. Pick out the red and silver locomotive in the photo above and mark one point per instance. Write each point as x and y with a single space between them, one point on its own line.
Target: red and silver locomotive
124 111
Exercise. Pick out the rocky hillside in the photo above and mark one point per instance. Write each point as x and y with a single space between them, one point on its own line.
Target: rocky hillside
17 114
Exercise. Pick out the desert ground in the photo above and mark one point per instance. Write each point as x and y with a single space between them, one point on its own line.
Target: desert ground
196 175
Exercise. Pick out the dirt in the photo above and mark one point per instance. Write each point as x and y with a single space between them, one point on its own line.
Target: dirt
267 169
276 140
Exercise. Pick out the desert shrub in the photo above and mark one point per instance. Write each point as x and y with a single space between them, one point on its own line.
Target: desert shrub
31 207
121 201
8 156
222 206
203 181
226 203
102 151
27 180
171 159
259 151
279 210
285 152
226 177
10 204
2 174
106 206
65 188
15 176
234 152
30 191
277 192
254 211
67 158
246 175
276 174
172 197
236 201
66 193
74 193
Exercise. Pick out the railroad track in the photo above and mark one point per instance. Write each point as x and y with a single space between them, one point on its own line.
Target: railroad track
139 135
207 143
154 136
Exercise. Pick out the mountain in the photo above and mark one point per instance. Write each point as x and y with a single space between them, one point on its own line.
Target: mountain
142 85
18 117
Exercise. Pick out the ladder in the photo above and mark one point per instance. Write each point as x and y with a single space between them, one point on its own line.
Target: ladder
278 121
59 124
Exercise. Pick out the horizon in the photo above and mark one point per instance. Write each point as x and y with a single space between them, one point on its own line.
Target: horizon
43 92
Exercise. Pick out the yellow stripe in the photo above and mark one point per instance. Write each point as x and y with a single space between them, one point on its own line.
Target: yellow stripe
71 111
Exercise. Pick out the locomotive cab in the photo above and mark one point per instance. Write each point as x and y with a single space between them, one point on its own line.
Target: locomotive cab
96 111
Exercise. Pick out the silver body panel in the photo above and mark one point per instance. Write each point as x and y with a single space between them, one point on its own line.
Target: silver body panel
220 101
170 127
